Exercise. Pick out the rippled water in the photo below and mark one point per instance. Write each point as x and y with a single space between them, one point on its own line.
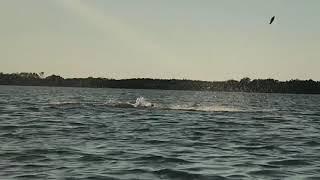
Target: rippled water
78 133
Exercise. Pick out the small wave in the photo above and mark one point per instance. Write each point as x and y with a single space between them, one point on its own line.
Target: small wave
156 141
98 177
162 159
290 162
30 176
238 176
63 103
267 172
258 147
43 151
205 108
312 143
178 174
9 127
28 157
92 157
313 178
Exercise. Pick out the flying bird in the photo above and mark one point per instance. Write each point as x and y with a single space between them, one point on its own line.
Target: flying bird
272 19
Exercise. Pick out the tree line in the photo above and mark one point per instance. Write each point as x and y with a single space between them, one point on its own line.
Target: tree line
295 86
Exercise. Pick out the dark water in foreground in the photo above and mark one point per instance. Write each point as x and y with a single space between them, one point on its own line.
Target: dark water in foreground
74 133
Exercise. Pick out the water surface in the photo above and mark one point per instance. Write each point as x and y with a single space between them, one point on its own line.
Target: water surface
79 133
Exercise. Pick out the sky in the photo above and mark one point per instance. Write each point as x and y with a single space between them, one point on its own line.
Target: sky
190 39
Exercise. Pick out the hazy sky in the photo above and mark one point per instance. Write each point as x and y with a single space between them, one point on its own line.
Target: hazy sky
194 39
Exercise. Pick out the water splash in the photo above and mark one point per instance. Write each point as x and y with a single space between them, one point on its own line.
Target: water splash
204 108
141 102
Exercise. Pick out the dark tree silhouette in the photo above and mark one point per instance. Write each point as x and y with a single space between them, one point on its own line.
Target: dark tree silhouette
244 85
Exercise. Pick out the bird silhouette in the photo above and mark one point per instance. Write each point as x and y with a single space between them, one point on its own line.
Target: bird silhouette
272 19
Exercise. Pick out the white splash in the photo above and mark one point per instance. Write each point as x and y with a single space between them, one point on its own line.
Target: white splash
204 108
141 102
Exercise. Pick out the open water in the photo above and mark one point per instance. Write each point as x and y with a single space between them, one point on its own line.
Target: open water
80 133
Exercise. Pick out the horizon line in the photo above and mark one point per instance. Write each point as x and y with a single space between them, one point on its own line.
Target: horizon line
153 78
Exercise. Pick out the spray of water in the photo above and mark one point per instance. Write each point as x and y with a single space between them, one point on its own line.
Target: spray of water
141 102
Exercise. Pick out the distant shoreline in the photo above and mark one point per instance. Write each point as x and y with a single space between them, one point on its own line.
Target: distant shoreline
244 85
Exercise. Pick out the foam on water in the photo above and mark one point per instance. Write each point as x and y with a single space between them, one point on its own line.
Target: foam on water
205 108
141 102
